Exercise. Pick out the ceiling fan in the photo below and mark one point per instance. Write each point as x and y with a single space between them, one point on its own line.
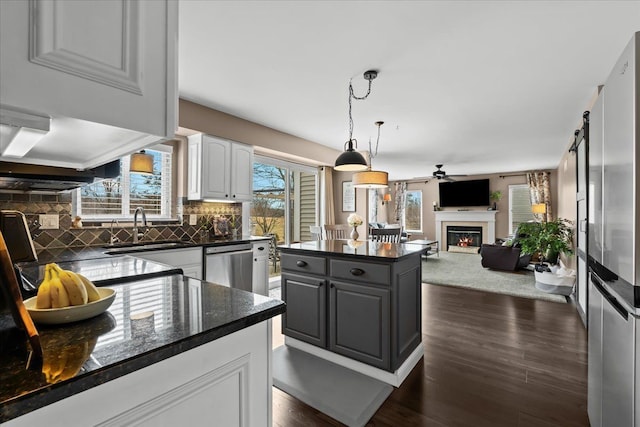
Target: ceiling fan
440 174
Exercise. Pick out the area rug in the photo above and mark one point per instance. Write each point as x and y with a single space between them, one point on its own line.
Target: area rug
464 270
345 395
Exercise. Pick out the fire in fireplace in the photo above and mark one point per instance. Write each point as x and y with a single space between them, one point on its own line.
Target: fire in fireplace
464 236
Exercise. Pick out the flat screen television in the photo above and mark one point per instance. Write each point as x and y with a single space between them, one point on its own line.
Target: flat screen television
474 192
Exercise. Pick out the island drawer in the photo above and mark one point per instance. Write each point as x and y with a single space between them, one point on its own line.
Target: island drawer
304 263
361 271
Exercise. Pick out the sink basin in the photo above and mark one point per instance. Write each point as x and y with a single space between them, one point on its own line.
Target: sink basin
143 246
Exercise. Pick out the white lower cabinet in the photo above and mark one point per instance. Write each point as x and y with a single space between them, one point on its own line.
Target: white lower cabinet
188 259
226 382
260 279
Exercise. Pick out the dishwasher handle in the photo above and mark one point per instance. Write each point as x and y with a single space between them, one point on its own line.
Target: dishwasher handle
211 250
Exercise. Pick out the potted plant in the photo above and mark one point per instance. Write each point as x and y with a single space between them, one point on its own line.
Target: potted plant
546 240
495 196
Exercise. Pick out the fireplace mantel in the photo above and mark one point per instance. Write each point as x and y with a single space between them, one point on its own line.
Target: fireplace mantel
487 218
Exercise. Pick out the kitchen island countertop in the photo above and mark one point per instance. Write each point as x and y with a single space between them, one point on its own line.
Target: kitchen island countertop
358 248
186 313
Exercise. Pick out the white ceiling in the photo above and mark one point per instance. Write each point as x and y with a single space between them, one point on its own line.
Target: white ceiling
481 86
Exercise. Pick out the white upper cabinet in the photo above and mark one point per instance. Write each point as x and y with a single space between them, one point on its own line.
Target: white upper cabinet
219 169
104 71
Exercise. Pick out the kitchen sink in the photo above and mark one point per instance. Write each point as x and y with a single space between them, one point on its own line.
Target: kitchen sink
120 248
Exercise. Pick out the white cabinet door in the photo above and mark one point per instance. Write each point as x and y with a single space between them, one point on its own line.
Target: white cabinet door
106 62
188 259
216 173
194 271
226 382
219 169
242 173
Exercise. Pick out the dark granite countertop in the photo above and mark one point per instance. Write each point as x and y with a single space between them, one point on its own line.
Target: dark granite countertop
186 313
102 271
359 248
93 252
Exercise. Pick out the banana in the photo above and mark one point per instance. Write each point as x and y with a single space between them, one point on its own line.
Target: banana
73 285
53 365
59 295
43 299
76 354
92 291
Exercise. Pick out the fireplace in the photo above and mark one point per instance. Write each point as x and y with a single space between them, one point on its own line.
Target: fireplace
462 236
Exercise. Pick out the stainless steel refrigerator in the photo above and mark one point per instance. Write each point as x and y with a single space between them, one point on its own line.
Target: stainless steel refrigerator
614 218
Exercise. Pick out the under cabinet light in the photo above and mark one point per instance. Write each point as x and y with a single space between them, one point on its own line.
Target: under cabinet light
20 131
22 141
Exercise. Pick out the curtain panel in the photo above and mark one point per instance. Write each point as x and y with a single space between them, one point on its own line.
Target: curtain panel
540 192
400 199
328 213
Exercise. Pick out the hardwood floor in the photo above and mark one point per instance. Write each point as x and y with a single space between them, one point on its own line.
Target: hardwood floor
490 360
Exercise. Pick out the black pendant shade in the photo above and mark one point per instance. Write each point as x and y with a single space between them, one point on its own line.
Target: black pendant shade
350 160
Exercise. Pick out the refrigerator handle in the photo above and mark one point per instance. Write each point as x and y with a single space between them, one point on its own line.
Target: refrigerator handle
606 295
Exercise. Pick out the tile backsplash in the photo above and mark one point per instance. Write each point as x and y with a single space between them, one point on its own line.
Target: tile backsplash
221 217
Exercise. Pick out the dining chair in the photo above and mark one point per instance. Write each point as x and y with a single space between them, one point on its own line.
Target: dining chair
389 235
336 231
316 232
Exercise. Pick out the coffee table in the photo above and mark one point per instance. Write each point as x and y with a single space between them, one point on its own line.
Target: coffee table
432 246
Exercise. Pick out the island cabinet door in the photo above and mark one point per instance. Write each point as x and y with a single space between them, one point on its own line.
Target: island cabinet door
306 315
359 323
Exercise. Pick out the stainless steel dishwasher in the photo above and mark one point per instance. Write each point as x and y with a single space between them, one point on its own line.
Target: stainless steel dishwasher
230 265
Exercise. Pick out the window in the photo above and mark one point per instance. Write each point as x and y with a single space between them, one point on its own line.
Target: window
413 211
120 196
519 206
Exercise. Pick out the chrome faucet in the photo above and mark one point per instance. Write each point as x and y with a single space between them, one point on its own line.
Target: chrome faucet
137 236
113 239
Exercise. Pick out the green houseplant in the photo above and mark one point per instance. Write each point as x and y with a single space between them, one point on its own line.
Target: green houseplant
546 240
495 196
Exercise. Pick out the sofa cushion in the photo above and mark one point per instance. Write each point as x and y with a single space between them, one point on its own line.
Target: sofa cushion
500 257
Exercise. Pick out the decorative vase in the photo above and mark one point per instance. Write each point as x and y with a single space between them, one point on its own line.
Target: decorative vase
354 233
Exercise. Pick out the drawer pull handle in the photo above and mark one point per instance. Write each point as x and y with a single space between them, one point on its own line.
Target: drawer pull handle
261 248
357 271
301 263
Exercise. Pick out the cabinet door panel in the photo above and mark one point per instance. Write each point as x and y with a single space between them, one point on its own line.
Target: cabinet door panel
407 302
216 157
85 60
359 323
305 318
242 173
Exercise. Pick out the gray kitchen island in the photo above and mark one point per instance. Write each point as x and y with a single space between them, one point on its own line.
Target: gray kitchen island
355 303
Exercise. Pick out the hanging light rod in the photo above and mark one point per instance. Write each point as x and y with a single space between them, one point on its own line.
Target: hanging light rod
371 178
350 159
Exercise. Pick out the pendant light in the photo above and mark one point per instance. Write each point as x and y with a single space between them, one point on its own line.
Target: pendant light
371 178
141 162
350 159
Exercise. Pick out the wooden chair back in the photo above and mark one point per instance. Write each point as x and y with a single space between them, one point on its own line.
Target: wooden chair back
336 231
389 235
